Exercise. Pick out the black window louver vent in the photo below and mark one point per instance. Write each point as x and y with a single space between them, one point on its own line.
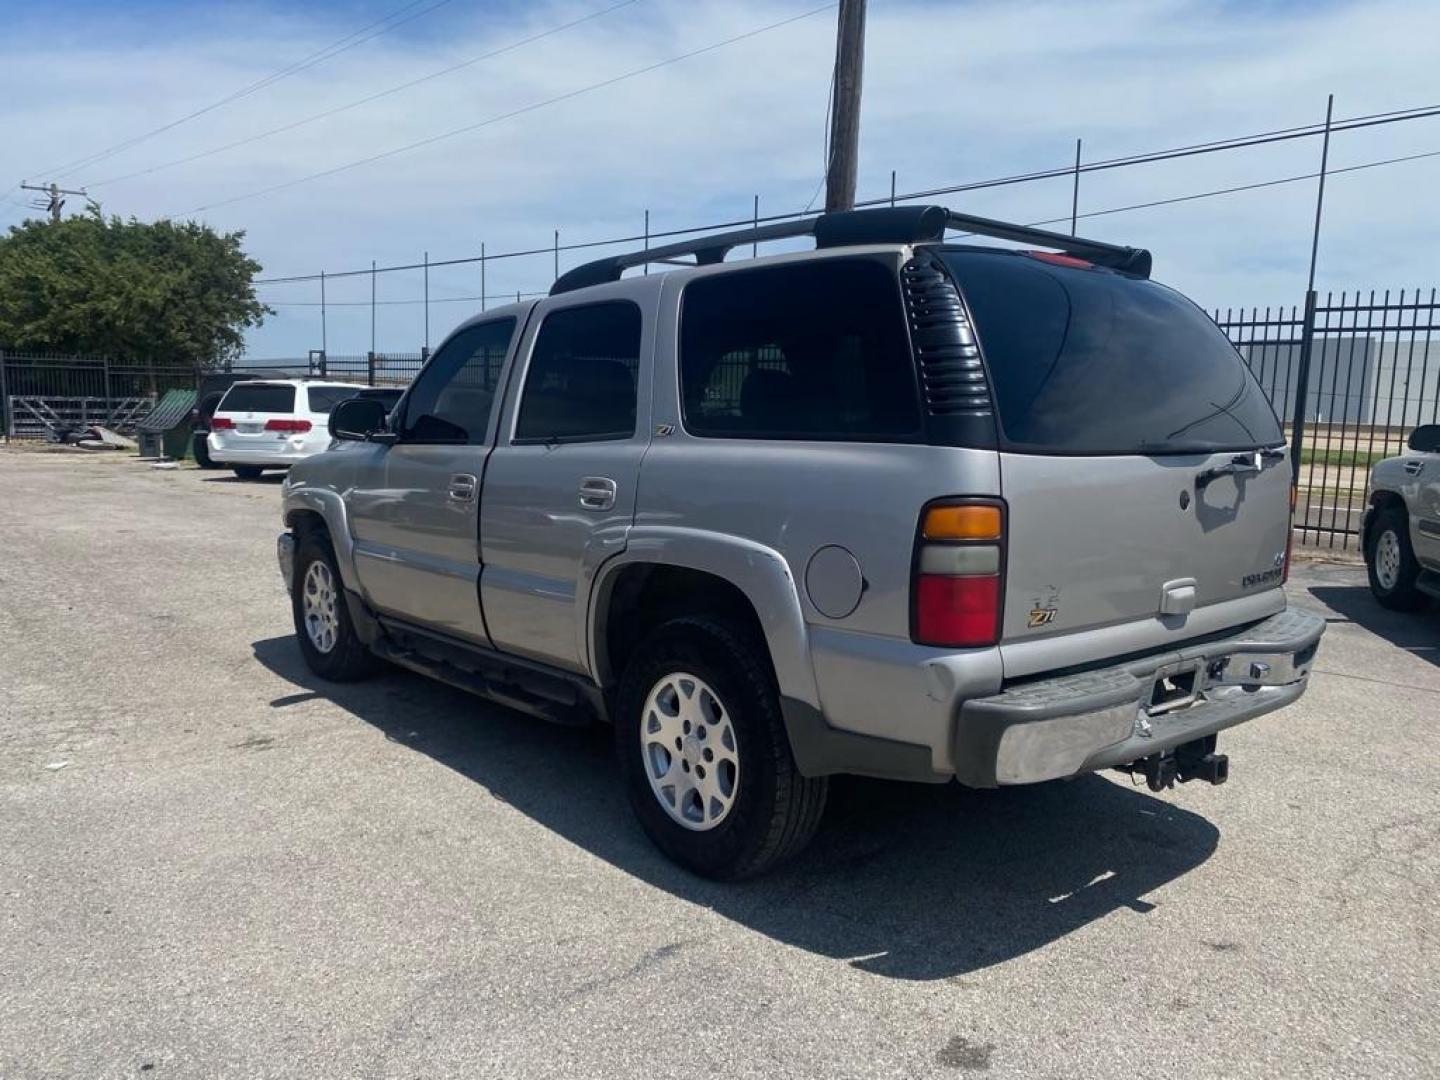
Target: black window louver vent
952 376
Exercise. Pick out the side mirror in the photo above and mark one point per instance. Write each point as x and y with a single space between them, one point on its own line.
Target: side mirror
1425 439
357 419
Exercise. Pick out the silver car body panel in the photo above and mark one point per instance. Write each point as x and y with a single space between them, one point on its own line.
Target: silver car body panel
539 531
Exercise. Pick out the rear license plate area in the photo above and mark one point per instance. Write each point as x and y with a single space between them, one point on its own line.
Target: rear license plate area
1174 688
250 429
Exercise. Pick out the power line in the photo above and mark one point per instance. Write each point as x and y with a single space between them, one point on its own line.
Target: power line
335 48
1149 157
394 151
365 100
1240 187
1033 224
1240 143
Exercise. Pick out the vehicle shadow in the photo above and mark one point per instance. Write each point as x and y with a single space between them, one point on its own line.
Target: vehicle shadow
1417 632
907 881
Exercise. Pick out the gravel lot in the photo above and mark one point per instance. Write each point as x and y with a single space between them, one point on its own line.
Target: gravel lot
212 865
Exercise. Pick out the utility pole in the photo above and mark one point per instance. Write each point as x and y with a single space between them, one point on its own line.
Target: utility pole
845 107
53 202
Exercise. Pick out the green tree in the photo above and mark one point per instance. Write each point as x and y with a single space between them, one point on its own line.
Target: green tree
140 292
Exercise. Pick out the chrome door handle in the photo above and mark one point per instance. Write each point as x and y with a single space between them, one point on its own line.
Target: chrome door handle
463 487
597 493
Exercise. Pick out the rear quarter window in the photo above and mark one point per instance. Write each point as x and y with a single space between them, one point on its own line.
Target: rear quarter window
817 350
259 397
1092 362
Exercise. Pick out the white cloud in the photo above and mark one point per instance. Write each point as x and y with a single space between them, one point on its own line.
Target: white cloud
954 92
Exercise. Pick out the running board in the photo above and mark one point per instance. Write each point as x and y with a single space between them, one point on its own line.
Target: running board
552 696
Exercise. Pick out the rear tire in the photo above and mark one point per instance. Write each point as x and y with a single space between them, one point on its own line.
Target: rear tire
1391 563
247 472
200 447
712 684
323 626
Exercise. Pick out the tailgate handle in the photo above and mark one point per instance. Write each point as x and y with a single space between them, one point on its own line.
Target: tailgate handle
1178 597
1239 465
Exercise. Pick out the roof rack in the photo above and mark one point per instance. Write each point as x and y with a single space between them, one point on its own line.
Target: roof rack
847 228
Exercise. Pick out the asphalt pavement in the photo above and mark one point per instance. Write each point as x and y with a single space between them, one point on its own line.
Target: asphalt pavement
214 865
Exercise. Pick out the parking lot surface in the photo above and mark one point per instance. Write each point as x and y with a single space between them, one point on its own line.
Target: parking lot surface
214 865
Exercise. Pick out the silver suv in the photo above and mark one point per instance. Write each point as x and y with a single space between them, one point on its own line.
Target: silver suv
1402 524
895 506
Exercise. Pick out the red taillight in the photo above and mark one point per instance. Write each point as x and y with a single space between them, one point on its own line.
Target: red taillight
287 425
959 564
221 423
958 611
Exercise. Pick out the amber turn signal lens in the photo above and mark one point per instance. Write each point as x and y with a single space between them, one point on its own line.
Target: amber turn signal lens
962 523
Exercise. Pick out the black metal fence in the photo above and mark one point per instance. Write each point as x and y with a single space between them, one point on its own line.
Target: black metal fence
42 394
1349 376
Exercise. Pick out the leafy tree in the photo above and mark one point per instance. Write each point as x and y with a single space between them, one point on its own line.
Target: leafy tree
142 292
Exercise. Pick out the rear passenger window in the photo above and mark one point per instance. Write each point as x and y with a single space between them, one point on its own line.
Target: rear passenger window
451 399
813 351
323 399
581 382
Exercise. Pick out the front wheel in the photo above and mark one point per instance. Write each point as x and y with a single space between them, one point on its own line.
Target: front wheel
1391 563
327 636
704 754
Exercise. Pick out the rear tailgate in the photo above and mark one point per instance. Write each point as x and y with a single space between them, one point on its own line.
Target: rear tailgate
1144 471
249 407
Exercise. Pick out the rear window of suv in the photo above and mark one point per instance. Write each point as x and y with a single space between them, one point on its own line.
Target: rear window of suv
259 397
1089 361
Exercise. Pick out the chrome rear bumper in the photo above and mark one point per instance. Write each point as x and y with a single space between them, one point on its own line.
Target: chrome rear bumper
1045 729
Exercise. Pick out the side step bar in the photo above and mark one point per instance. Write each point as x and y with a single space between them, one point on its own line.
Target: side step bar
557 697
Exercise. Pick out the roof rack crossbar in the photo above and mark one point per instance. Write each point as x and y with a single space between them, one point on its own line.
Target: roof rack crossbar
886 225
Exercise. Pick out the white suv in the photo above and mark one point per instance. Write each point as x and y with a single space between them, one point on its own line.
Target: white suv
273 423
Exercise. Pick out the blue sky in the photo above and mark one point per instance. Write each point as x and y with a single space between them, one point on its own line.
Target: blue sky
954 92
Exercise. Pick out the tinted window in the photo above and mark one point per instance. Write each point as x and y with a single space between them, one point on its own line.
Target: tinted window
817 351
324 398
1088 361
581 382
451 399
258 397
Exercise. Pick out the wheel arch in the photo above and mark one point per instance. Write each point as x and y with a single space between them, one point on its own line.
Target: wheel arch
308 509
667 572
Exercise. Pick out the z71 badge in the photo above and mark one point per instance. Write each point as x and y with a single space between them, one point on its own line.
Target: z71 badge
1040 616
